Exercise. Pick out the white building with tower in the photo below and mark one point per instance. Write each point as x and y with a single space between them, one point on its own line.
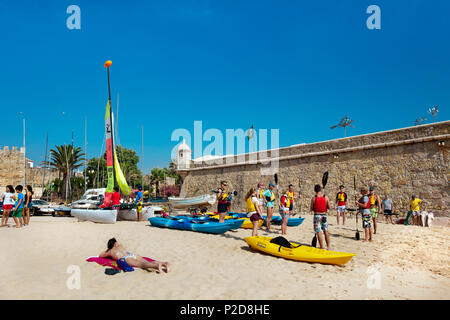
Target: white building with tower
184 156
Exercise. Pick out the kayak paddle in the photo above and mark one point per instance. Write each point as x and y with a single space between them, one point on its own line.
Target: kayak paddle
354 188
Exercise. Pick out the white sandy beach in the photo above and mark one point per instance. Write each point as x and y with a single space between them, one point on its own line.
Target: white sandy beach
413 263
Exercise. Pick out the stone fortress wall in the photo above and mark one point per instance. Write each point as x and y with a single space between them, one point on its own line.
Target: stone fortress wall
399 162
12 170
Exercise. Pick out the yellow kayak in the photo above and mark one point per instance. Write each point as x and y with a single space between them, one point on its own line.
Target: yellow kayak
246 225
302 253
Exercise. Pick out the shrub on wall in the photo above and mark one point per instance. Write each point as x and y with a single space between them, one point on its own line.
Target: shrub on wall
168 191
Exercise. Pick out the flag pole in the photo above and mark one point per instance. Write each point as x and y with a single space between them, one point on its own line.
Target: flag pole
107 65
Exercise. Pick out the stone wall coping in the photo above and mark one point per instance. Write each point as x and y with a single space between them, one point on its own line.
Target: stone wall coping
320 153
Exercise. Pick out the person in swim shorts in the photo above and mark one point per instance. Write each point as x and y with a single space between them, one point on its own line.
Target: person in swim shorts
139 201
254 211
387 206
320 204
115 199
341 204
270 202
222 201
285 211
8 203
414 206
259 195
291 196
364 207
18 207
118 252
375 207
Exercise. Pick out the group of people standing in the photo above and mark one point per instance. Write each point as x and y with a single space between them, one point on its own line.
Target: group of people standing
369 204
257 199
18 204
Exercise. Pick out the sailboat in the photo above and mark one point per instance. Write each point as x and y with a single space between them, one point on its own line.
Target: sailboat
106 214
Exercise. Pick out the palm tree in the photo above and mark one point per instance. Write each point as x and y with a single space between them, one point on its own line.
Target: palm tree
157 175
65 159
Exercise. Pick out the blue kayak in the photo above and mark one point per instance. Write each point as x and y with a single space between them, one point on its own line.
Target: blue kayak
235 223
190 225
292 222
237 215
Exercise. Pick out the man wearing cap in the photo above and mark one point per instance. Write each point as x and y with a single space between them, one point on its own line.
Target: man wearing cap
270 202
375 207
341 204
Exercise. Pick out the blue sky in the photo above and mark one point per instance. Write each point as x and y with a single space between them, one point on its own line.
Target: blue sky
296 66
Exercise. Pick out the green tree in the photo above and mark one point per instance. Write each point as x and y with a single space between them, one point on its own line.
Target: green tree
156 177
128 160
65 159
96 172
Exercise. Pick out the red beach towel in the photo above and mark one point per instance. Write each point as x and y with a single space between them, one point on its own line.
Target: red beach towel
108 262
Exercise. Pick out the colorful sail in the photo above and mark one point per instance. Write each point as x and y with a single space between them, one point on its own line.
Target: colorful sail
121 181
109 150
120 178
112 162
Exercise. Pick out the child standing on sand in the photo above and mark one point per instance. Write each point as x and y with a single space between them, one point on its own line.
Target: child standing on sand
18 207
364 206
285 211
8 202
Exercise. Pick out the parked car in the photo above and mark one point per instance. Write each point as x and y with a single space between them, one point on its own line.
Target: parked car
41 207
91 199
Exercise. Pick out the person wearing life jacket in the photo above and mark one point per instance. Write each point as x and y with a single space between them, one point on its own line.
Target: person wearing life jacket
270 202
291 196
320 204
259 194
341 204
139 201
115 199
254 211
364 206
285 204
375 207
414 206
222 201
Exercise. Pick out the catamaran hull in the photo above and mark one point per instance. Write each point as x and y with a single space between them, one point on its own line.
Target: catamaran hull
181 203
99 216
131 215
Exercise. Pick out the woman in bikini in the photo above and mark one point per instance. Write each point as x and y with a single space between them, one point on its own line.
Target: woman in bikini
118 252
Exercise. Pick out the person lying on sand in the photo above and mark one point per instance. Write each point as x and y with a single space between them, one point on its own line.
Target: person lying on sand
118 252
